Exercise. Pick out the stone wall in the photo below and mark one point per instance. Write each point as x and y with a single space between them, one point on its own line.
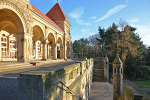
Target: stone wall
45 84
130 94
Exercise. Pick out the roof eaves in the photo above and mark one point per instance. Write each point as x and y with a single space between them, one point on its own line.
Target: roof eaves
46 18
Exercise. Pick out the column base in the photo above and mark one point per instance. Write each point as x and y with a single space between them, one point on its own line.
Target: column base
43 59
24 60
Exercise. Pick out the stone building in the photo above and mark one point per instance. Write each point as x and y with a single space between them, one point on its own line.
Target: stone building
27 34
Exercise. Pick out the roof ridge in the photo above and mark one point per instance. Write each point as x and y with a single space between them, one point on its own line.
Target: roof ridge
52 12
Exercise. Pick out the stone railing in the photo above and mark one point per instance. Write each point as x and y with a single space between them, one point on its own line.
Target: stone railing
130 94
43 84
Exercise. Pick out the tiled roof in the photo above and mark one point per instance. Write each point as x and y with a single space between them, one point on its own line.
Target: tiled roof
38 11
56 12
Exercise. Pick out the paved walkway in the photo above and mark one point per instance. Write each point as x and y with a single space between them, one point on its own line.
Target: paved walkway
104 90
8 80
142 91
101 91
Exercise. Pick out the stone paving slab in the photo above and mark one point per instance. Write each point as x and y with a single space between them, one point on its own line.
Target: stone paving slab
101 91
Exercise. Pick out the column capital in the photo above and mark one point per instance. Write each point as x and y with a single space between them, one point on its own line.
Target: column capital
61 46
45 42
55 44
23 40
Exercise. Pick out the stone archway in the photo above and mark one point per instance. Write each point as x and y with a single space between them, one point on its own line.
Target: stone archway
11 28
60 50
38 39
52 47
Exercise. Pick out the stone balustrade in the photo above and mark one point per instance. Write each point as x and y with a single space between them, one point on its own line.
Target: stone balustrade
130 94
43 84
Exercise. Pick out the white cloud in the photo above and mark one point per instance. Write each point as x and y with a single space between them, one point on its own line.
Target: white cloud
133 20
144 32
146 39
91 33
87 23
94 17
84 31
76 37
126 1
77 13
111 12
81 22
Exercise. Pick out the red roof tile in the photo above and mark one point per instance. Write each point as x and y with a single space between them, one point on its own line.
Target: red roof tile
38 11
56 12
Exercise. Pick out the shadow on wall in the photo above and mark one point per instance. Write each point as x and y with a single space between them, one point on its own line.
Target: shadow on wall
51 90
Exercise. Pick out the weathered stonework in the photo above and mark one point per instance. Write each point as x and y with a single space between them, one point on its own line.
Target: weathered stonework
31 28
106 69
43 84
130 94
117 78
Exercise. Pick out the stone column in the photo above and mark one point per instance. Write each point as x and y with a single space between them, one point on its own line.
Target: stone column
30 48
117 78
55 51
24 47
20 47
65 47
61 52
0 48
48 52
65 52
45 50
106 69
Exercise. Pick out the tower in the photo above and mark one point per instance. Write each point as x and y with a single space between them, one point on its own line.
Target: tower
117 78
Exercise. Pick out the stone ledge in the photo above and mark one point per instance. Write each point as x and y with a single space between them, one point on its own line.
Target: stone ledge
132 94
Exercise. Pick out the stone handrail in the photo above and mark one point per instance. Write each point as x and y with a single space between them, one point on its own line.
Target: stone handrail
130 94
72 92
41 84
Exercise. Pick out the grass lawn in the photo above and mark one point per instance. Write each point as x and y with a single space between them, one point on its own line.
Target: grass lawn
143 84
148 92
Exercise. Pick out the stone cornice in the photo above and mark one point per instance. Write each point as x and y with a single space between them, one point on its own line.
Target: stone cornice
60 31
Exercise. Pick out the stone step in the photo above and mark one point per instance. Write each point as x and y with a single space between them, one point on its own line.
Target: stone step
17 66
14 67
99 75
98 69
98 80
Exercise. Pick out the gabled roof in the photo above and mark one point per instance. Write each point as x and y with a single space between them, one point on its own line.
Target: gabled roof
43 15
56 12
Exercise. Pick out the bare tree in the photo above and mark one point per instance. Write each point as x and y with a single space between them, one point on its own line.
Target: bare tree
122 24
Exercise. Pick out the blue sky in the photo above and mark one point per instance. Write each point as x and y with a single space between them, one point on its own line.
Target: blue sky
87 15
